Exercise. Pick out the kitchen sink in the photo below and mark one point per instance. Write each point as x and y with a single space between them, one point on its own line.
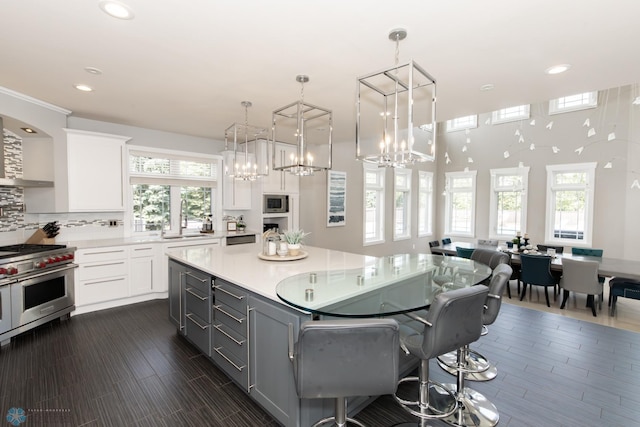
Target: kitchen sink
184 236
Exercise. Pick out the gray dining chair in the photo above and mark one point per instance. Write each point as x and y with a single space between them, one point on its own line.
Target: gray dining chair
343 358
581 277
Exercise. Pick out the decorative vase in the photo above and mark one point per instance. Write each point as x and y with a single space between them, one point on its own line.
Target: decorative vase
294 249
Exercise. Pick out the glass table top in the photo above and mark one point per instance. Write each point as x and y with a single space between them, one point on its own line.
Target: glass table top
390 285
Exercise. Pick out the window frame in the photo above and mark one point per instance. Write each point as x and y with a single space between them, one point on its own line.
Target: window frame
425 215
449 190
462 123
588 188
175 182
380 189
502 116
523 172
406 189
555 108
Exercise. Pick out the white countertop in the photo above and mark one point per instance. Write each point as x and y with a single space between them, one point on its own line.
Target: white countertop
123 241
240 264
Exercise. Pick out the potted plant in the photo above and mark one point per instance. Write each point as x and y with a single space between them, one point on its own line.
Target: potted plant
294 239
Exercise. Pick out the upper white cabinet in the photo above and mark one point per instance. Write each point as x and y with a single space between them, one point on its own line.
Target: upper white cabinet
281 181
236 193
95 164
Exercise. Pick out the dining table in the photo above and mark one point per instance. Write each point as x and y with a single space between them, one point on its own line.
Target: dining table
392 285
607 267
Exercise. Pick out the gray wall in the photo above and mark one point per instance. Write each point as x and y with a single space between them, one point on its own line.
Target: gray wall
616 228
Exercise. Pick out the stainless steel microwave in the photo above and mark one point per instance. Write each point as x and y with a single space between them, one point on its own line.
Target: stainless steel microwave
275 203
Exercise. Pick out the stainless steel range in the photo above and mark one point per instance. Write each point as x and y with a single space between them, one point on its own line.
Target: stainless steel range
36 286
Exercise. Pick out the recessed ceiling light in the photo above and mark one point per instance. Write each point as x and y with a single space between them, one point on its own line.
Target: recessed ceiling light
116 9
488 86
557 69
28 130
93 70
83 88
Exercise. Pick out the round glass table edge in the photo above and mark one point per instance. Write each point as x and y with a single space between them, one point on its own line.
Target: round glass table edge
304 291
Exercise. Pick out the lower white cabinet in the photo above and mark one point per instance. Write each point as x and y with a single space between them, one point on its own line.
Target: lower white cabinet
102 275
144 269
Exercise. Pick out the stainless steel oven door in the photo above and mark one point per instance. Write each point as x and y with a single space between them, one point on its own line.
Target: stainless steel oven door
42 294
5 308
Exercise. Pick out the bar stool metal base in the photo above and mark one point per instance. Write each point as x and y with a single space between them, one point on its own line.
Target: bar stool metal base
423 423
474 410
441 401
478 367
340 418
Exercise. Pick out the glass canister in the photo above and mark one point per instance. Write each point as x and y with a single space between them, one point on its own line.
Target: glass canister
270 241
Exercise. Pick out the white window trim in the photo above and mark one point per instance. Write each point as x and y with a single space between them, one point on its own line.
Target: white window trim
429 213
382 189
498 116
183 155
447 219
554 107
493 213
406 189
590 169
452 126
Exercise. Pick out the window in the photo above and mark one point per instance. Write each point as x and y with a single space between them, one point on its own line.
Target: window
425 203
510 114
460 203
508 212
373 204
570 192
172 190
402 204
462 123
581 101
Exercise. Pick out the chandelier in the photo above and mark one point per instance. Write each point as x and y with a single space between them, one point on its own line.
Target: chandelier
396 113
249 145
308 129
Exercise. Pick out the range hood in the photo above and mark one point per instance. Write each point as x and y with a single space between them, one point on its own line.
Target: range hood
16 182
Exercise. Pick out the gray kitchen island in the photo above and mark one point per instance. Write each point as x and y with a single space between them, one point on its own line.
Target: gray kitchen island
224 301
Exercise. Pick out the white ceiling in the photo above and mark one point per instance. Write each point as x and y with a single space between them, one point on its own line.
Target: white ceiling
185 66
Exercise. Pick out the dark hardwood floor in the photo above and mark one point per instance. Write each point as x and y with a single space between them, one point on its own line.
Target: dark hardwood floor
127 366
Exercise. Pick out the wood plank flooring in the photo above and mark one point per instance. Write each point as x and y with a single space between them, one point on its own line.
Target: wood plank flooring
128 367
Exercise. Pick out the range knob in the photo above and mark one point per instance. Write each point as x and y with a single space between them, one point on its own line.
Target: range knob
3 270
50 260
12 270
40 264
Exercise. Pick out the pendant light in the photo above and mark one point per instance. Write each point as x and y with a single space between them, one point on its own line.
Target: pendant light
308 129
249 145
396 113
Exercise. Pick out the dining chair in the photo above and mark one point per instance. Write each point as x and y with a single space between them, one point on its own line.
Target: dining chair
434 243
488 242
581 277
587 251
536 270
622 287
344 358
446 241
464 252
543 248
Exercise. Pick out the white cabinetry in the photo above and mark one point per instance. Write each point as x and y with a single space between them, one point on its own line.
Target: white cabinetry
144 269
236 193
101 276
95 171
281 181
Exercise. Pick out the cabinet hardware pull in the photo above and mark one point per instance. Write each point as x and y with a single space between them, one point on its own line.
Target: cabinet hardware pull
195 277
189 290
239 368
190 317
103 265
238 297
228 336
97 282
217 307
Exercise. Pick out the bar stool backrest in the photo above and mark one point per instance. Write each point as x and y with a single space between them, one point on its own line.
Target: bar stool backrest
499 281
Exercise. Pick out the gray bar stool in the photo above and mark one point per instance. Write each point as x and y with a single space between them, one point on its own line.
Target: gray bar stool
477 367
344 358
474 409
453 321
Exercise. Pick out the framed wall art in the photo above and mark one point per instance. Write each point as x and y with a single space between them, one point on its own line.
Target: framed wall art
336 198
